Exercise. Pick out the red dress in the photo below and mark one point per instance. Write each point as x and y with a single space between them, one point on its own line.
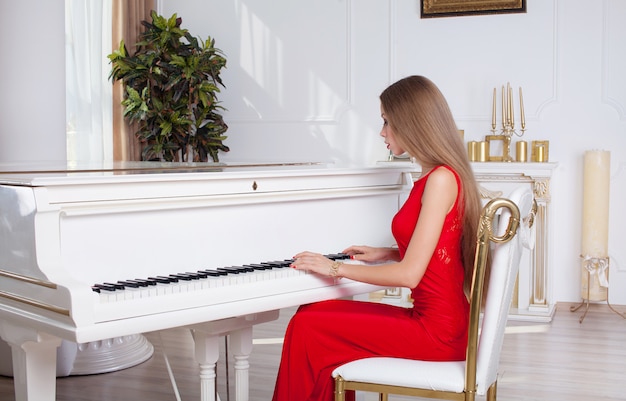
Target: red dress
324 335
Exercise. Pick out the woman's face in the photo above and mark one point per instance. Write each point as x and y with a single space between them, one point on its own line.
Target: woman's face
390 139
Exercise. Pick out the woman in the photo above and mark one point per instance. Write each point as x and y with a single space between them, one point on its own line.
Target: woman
435 231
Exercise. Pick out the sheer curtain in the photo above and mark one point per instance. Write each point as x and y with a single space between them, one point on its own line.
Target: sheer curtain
96 130
88 89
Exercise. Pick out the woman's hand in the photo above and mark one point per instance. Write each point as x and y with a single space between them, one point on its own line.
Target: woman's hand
313 262
372 254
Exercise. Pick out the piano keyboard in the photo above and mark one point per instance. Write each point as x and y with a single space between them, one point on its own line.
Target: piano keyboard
201 280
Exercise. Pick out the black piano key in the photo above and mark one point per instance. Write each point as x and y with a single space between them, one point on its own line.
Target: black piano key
144 282
213 273
182 276
95 288
281 263
116 285
259 266
105 287
338 256
135 282
231 270
271 265
198 274
128 283
164 280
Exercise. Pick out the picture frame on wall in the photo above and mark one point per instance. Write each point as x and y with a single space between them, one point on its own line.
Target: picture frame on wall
451 8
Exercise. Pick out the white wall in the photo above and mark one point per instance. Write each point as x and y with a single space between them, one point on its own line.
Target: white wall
303 80
32 80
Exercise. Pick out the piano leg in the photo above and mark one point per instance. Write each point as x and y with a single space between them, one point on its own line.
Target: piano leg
34 362
206 340
241 347
207 353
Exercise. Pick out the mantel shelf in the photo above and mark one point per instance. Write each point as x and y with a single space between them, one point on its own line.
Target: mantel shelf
531 168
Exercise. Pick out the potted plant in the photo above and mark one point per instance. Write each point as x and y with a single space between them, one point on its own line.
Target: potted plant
171 82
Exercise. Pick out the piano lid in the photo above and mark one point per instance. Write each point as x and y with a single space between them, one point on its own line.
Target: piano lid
114 181
27 170
49 172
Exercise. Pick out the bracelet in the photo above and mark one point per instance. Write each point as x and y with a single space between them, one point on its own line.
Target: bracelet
334 270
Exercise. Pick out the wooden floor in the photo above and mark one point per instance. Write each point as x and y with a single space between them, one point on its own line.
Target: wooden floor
563 361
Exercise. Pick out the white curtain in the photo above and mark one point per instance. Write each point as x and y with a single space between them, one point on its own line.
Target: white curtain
88 98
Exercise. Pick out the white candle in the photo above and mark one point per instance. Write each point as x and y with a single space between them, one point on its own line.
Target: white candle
595 233
595 228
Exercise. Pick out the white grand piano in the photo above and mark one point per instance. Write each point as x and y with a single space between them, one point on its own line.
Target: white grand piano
70 234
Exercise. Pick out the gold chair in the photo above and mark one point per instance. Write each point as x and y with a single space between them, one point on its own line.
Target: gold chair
460 380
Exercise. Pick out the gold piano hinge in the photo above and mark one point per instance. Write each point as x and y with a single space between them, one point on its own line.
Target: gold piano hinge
34 303
29 280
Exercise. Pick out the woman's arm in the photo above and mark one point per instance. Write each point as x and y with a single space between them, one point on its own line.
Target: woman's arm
438 199
372 254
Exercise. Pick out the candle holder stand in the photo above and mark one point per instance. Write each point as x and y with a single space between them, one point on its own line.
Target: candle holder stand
508 123
505 135
594 265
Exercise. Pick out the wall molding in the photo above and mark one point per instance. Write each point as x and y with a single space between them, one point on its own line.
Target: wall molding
609 96
555 63
313 118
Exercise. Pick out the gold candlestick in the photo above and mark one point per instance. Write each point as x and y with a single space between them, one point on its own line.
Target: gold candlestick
508 125
521 107
511 116
493 112
504 113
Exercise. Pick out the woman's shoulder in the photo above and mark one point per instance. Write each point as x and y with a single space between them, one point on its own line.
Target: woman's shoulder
442 176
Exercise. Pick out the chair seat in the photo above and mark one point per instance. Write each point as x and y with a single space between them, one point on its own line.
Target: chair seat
440 376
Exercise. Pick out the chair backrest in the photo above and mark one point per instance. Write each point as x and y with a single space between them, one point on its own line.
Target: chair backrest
515 216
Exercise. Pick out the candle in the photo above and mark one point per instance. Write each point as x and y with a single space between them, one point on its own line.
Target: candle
596 203
521 110
540 153
595 227
472 150
493 111
522 151
483 151
503 107
511 118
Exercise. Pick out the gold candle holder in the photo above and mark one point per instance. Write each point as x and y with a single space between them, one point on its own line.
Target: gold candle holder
483 151
472 151
521 148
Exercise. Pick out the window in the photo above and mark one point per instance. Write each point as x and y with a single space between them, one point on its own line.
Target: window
88 88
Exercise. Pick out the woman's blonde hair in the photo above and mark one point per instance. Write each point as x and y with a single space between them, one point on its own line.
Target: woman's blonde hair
422 123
